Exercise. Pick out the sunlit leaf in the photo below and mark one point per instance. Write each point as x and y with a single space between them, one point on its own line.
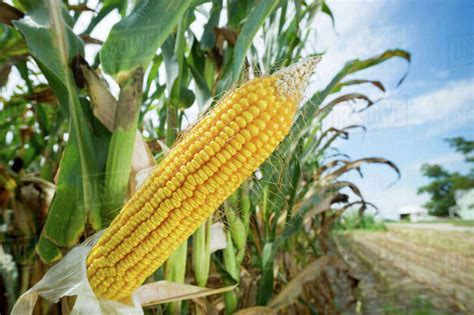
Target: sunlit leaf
133 41
253 23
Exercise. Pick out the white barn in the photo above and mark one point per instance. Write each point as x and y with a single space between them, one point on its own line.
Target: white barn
413 214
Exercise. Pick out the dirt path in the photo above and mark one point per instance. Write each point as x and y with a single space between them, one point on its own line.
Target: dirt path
442 227
410 271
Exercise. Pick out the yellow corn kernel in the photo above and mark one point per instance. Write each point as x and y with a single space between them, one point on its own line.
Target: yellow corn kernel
247 116
253 97
246 134
253 130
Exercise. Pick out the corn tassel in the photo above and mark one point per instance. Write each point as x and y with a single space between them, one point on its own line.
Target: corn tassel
200 172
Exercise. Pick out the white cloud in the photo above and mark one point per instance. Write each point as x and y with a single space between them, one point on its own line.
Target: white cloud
440 110
355 35
446 103
365 34
448 160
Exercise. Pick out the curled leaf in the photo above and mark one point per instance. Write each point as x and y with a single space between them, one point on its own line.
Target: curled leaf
345 98
375 83
357 163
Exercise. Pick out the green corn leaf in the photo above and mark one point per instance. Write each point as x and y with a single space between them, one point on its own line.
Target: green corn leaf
77 198
67 216
133 41
265 286
379 85
254 21
197 63
107 7
237 11
35 28
201 253
119 158
47 250
325 8
208 38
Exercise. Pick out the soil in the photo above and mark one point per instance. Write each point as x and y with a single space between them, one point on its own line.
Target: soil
408 271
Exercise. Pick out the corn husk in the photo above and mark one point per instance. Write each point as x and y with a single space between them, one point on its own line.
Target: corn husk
69 278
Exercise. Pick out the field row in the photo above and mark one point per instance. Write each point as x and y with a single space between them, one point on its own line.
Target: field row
408 263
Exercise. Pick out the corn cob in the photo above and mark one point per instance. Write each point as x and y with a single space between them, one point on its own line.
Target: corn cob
199 173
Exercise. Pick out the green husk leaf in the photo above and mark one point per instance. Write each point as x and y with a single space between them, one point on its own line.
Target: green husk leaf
134 40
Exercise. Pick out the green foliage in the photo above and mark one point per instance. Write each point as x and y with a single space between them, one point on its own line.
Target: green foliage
419 306
355 221
461 145
254 21
52 43
443 183
134 40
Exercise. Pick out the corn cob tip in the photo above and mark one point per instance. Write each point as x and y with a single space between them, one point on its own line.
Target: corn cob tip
293 80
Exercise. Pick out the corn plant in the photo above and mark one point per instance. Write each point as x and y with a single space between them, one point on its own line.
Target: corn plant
63 124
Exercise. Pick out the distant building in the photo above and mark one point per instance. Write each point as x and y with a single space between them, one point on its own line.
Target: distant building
464 207
414 214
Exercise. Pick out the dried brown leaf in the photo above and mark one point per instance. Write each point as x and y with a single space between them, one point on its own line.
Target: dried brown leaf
164 292
8 14
293 289
104 105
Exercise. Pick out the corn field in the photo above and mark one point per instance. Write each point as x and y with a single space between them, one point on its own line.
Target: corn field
115 135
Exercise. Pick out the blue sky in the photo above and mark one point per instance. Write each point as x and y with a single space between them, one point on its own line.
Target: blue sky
435 101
